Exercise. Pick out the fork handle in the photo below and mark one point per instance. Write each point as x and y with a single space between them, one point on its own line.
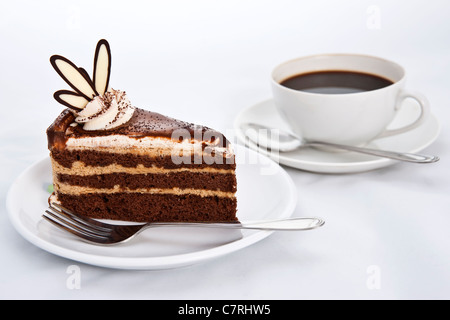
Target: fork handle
293 224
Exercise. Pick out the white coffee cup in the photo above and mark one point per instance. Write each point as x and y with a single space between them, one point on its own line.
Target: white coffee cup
350 118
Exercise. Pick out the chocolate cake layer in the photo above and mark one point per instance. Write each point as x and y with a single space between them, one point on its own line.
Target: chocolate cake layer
182 180
151 207
96 158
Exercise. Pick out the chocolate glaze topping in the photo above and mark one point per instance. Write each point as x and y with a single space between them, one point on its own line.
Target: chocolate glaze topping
143 123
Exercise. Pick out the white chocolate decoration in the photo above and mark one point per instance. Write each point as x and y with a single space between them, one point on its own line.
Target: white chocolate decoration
102 67
79 80
94 105
74 76
71 99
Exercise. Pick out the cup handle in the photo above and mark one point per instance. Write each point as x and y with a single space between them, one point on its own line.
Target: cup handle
425 112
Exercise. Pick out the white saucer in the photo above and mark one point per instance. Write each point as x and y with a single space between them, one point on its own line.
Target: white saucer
320 161
265 191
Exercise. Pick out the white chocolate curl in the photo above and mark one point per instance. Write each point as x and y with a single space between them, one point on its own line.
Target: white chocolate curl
105 112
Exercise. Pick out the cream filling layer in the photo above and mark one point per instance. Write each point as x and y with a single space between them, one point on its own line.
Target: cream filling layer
77 190
80 169
107 111
145 145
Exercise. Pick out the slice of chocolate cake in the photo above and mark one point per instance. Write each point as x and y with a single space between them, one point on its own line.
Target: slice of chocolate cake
111 160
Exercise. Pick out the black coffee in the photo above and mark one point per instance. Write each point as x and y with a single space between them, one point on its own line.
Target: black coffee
336 82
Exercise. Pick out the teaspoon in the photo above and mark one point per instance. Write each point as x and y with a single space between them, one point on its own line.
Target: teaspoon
294 142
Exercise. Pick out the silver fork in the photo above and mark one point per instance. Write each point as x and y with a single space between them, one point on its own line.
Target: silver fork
102 233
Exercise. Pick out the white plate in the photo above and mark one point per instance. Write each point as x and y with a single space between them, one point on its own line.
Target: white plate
265 191
317 160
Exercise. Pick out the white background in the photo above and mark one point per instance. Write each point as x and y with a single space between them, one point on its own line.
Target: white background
203 62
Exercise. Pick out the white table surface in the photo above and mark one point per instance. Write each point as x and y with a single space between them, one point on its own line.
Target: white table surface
204 61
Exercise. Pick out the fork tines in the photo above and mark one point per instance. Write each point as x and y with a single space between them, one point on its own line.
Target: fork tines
83 227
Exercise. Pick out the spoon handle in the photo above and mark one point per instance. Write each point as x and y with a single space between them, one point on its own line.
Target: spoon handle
409 157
